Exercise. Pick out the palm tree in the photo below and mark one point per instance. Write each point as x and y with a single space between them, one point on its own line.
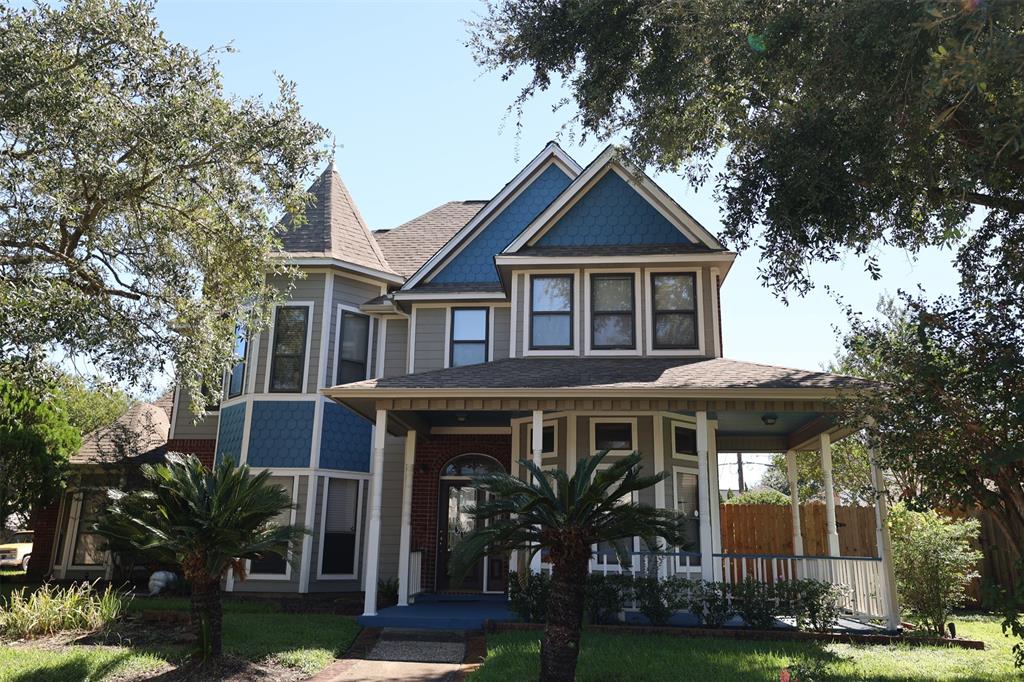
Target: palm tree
567 517
207 521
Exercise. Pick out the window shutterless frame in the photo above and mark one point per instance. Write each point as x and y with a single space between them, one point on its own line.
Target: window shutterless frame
484 340
300 356
595 312
534 314
236 375
657 312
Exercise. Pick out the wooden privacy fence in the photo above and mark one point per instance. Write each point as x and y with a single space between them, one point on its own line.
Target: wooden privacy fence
768 529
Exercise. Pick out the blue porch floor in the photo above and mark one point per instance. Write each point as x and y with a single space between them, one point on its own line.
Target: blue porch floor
442 612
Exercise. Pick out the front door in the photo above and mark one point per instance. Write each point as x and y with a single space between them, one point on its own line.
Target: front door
454 522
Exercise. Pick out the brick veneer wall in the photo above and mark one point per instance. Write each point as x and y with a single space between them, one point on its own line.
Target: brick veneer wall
431 456
44 523
203 448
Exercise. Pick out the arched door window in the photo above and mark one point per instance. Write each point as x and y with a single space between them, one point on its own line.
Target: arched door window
473 464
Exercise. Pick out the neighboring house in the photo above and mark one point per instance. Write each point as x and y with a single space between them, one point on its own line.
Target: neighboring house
577 310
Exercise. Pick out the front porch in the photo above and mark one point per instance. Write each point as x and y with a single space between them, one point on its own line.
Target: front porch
678 428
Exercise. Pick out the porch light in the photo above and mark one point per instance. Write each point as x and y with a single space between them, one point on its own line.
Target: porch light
769 419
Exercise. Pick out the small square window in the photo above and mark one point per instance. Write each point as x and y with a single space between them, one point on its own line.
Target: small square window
613 436
685 441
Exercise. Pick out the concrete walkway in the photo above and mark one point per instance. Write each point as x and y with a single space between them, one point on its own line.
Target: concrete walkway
354 670
402 654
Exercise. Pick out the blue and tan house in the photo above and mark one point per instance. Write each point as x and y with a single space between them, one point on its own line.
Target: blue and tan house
577 310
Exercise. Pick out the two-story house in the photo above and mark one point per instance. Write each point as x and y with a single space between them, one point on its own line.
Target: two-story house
577 310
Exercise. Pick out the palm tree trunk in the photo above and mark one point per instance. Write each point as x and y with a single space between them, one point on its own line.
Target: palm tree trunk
206 604
561 646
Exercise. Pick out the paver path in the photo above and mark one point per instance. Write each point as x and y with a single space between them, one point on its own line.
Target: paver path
408 655
357 670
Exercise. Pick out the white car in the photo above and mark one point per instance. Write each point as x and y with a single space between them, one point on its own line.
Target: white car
17 552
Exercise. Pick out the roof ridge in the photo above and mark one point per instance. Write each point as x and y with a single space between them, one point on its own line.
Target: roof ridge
354 209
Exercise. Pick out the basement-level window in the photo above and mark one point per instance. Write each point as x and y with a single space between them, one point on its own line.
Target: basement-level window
288 363
339 540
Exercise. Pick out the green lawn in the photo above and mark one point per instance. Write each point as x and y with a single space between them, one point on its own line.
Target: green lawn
514 656
252 630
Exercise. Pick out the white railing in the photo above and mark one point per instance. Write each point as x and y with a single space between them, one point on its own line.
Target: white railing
415 572
860 576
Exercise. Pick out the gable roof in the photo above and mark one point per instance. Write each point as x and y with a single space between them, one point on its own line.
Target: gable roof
334 228
551 152
141 432
609 161
408 246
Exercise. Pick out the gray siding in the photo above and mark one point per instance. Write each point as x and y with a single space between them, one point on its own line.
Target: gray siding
309 289
253 584
185 423
395 348
429 339
502 329
353 292
391 508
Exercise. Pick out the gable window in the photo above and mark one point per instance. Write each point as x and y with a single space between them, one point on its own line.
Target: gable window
613 436
236 379
271 563
613 312
551 312
469 336
288 363
338 546
674 310
353 343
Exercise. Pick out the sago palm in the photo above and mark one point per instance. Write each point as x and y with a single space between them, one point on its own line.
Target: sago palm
207 521
567 517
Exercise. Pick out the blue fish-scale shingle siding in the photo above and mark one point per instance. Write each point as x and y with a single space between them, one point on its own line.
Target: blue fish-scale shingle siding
281 433
345 440
612 213
229 434
476 262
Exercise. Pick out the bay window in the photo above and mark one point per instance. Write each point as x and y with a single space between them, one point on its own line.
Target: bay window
288 362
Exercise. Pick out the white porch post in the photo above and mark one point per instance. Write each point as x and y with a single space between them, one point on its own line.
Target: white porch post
404 540
703 502
537 449
830 496
794 502
714 501
373 531
891 599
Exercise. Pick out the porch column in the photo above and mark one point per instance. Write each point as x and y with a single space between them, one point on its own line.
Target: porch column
404 540
889 595
714 500
536 449
830 496
373 530
703 502
794 502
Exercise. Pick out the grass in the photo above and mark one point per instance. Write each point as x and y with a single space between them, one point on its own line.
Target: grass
514 655
253 630
49 610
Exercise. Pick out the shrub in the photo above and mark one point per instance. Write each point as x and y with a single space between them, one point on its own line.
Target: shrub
755 602
651 600
50 610
934 561
708 602
528 596
813 604
765 496
387 591
606 596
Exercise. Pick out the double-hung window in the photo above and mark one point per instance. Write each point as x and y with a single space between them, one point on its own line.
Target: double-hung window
272 563
551 312
338 552
469 336
612 312
288 363
236 379
353 343
674 310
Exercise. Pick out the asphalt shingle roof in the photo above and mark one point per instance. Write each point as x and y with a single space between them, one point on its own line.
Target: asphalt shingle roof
334 227
615 373
411 244
141 430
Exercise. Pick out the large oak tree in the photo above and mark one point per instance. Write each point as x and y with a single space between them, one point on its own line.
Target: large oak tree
137 198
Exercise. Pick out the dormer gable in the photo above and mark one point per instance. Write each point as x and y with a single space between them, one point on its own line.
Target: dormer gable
611 203
469 256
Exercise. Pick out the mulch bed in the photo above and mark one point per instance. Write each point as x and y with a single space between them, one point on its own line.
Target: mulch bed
762 635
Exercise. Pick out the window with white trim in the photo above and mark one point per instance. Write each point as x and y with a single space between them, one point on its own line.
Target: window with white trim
339 548
548 435
288 361
551 314
613 436
272 563
353 344
686 504
468 336
674 310
612 311
236 379
684 441
87 550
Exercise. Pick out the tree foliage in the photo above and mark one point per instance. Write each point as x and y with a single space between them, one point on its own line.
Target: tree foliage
206 521
137 199
566 516
762 496
36 439
91 403
845 125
